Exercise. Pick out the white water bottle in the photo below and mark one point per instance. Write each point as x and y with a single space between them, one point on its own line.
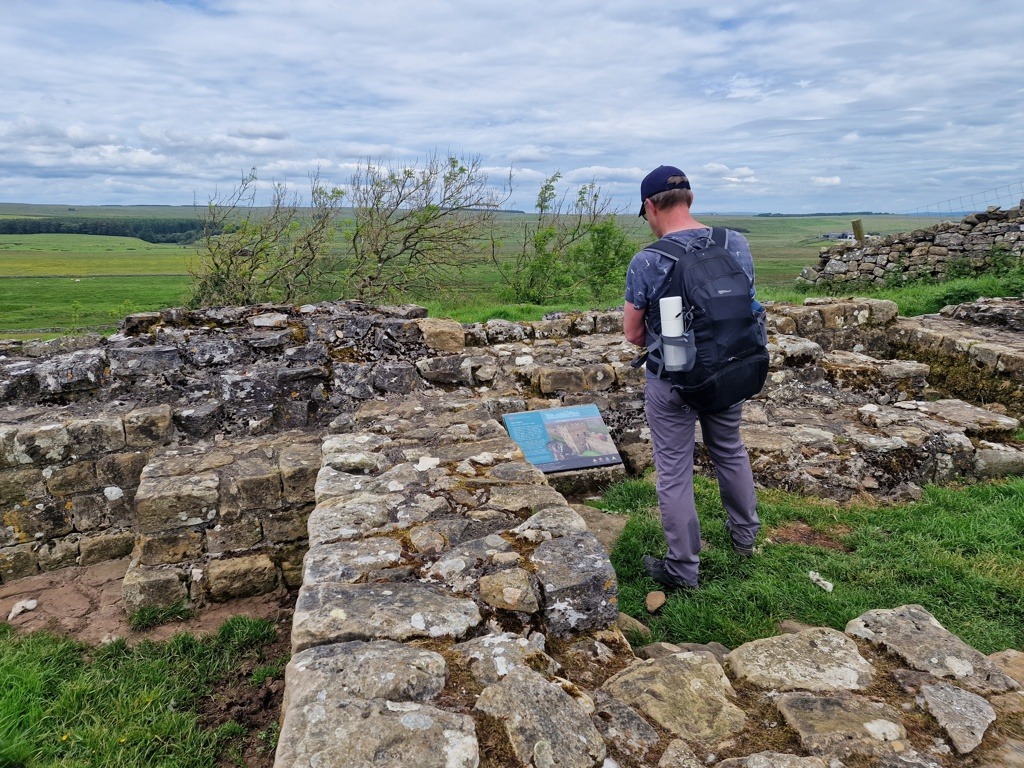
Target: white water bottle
677 347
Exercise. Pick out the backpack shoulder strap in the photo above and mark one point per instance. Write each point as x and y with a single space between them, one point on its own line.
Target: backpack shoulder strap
720 236
668 247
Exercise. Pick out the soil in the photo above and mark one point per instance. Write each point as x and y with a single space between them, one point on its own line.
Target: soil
84 602
796 532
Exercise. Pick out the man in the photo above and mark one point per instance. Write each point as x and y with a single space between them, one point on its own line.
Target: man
666 198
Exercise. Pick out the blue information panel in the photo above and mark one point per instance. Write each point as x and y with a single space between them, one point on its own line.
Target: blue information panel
574 437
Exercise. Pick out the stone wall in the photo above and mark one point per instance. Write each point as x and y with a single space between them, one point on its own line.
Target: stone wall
969 246
192 439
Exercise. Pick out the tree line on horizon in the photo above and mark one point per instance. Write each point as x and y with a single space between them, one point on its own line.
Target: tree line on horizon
152 230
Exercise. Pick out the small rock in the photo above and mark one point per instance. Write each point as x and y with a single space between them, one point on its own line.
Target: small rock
655 600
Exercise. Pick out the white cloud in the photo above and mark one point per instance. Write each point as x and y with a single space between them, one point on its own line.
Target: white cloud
183 95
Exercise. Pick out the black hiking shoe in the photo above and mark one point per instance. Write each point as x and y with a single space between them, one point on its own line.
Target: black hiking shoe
656 570
743 550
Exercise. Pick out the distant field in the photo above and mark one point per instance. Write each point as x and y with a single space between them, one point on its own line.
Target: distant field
90 255
59 283
56 283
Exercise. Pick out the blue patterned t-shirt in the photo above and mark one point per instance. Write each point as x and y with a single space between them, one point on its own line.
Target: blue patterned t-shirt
649 275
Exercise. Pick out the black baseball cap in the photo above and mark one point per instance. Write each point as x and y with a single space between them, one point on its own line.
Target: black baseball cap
662 178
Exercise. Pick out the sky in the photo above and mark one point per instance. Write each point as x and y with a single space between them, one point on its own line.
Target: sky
836 105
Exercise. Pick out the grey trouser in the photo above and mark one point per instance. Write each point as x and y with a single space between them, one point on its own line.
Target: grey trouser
672 431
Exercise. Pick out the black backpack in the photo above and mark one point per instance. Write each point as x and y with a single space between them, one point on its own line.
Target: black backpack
730 363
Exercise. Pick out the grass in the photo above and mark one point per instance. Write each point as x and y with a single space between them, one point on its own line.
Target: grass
150 616
57 284
958 552
66 704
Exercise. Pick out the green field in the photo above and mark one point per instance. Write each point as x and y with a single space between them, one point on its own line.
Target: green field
55 284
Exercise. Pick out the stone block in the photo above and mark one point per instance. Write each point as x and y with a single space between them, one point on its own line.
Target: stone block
587 482
121 469
169 548
843 724
986 354
524 499
687 694
578 583
608 322
79 477
552 329
42 444
130 362
503 331
331 613
58 553
598 377
442 334
199 420
93 511
452 370
28 523
111 546
146 427
251 483
152 587
551 379
93 437
286 525
299 464
394 378
166 503
364 670
509 590
354 732
818 659
234 534
241 577
21 486
78 371
17 562
1011 364
914 635
544 724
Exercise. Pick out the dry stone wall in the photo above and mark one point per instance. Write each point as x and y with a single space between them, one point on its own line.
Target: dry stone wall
971 245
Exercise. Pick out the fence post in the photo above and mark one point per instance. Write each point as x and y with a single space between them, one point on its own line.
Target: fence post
858 230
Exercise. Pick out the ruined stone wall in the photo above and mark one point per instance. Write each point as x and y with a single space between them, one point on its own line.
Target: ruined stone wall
192 440
972 245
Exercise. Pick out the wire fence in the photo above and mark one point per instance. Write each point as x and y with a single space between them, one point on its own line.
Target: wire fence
1004 196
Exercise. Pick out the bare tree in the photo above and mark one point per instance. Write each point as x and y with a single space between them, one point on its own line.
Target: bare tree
414 227
282 252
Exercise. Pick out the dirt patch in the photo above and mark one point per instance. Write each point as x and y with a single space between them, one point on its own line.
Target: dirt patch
251 697
796 532
85 603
